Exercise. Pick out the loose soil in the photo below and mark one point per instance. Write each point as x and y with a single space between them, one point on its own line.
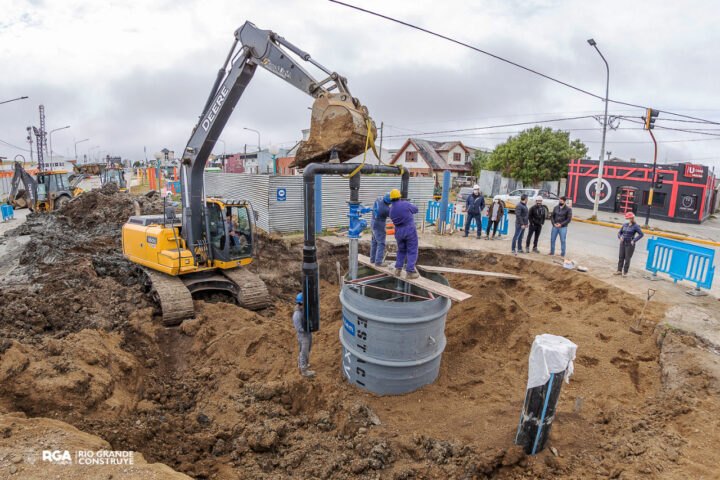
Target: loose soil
221 397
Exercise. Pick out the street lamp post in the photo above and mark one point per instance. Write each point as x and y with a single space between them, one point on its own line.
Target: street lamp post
258 134
222 162
76 144
50 136
598 185
14 99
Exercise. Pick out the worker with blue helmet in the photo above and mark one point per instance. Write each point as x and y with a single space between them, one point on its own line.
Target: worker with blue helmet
304 338
380 214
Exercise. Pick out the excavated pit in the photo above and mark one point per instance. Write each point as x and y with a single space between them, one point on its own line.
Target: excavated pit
221 397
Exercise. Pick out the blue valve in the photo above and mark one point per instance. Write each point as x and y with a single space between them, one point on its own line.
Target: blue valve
357 223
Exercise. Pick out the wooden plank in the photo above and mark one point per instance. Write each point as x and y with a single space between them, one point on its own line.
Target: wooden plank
429 268
422 282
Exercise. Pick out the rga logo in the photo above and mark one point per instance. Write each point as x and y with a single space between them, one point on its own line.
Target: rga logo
61 457
219 100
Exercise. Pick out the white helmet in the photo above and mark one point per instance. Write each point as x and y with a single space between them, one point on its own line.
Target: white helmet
476 187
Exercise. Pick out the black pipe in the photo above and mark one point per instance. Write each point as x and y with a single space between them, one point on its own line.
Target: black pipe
311 273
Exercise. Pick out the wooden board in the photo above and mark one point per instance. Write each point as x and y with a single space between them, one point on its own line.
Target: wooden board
429 268
422 282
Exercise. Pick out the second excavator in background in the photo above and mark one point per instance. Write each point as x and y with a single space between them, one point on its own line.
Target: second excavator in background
215 240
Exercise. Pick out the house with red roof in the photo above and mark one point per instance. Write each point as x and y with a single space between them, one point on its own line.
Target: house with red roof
427 158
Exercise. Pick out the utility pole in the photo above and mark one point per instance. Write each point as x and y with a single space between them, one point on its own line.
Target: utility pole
30 142
649 119
598 185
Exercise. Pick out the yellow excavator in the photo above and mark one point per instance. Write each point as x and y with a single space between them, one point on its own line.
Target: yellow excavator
46 191
209 246
114 174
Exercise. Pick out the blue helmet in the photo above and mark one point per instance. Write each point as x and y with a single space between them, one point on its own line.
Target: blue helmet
299 298
386 199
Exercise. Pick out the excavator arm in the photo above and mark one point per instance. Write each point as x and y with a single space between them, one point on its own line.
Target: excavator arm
339 122
20 175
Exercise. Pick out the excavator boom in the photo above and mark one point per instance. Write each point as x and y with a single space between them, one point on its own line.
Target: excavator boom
339 121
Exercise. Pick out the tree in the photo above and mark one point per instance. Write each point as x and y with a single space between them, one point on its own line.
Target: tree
479 160
535 155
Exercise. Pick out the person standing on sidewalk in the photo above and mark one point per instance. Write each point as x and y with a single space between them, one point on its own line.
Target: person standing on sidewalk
537 219
380 213
496 210
521 223
304 338
628 235
475 204
561 217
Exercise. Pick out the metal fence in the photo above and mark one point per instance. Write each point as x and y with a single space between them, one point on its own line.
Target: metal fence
278 199
458 218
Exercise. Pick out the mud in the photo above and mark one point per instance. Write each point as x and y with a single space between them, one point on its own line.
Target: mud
220 396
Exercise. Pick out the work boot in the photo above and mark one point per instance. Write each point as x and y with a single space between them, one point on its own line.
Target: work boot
306 372
624 274
618 273
487 237
535 250
412 275
464 236
397 272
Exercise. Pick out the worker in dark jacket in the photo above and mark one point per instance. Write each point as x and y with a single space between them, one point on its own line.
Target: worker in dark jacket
401 214
380 213
628 235
561 217
536 216
521 223
474 205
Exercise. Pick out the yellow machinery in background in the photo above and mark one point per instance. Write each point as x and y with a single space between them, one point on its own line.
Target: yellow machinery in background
206 249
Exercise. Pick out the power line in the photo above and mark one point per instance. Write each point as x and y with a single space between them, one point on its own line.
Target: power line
494 126
13 146
515 64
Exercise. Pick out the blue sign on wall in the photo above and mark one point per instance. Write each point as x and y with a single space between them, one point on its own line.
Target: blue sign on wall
281 194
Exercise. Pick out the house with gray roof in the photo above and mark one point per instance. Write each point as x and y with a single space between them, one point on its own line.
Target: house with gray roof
427 158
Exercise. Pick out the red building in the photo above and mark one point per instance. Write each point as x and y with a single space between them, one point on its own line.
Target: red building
283 166
687 193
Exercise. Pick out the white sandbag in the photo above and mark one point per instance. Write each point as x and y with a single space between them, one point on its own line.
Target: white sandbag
550 354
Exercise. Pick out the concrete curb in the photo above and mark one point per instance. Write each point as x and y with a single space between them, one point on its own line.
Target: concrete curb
652 232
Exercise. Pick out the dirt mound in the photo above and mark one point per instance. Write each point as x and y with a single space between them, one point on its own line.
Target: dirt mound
23 440
221 396
72 274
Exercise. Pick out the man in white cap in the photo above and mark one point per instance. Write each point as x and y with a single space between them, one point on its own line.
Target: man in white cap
474 205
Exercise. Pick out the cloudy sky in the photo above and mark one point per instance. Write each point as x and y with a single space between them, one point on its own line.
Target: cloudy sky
134 74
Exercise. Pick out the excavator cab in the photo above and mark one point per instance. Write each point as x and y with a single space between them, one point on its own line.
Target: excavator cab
54 190
231 231
114 175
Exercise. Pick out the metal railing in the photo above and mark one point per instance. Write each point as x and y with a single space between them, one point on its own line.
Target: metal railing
458 220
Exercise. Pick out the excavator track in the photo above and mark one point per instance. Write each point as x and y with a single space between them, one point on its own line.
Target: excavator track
253 293
174 297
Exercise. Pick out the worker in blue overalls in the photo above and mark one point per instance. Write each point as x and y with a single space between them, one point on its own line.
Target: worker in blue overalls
401 214
380 213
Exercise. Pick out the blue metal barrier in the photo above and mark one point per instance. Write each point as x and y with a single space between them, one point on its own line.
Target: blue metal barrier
433 212
680 260
7 212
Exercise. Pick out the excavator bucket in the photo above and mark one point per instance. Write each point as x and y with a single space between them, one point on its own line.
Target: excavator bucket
337 122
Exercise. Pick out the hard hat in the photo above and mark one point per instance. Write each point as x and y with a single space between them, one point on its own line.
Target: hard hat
394 194
538 199
299 298
386 198
629 215
476 187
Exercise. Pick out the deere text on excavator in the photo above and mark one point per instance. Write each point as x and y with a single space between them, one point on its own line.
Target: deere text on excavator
215 238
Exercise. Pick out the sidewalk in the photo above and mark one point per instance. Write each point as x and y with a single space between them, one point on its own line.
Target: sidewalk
708 230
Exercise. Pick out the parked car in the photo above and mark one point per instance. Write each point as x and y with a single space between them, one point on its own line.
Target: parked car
464 181
463 194
550 200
